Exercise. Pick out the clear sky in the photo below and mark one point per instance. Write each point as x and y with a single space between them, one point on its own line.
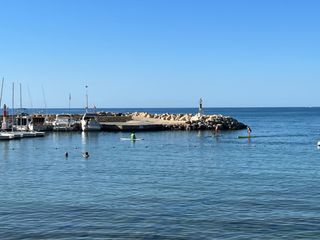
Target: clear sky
162 53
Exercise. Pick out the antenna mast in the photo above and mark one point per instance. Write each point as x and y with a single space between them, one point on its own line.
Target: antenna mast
87 102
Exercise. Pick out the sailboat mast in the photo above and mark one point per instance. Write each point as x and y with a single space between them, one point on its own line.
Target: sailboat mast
87 102
44 99
12 117
20 97
20 108
1 91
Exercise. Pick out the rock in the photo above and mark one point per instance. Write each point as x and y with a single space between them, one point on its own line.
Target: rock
195 118
189 121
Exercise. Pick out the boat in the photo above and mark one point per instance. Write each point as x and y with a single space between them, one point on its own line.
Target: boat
30 134
39 123
20 125
22 122
6 136
89 122
64 122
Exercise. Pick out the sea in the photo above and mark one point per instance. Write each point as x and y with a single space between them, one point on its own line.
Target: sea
171 184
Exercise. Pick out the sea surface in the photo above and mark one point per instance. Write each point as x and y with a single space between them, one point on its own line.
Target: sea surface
171 185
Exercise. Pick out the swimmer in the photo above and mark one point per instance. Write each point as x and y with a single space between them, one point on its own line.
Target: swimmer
85 155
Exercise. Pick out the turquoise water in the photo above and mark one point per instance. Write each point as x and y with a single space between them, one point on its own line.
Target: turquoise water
172 185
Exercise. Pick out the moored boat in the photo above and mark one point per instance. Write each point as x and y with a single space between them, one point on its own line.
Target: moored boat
39 123
89 122
64 122
6 136
22 122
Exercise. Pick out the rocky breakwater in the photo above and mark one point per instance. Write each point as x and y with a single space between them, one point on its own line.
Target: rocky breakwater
191 122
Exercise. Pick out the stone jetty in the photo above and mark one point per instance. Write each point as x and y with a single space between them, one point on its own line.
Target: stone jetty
143 121
191 122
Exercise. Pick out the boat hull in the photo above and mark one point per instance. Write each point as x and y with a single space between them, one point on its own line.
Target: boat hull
90 126
89 122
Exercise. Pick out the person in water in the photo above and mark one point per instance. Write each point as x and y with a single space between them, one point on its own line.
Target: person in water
66 154
133 136
85 155
249 131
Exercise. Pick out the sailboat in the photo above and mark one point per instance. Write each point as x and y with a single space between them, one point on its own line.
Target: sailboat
40 122
22 118
4 135
89 121
65 122
14 134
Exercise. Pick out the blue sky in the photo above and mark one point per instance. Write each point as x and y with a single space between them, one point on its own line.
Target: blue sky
162 53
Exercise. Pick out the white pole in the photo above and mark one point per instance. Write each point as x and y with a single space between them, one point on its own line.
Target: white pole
12 118
87 102
20 107
1 92
200 107
69 102
20 97
44 99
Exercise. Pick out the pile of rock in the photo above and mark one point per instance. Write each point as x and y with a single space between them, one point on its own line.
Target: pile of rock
219 122
163 116
193 122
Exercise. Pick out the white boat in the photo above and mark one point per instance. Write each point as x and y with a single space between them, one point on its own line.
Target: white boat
20 134
11 135
22 127
89 122
64 122
22 122
6 136
30 134
39 123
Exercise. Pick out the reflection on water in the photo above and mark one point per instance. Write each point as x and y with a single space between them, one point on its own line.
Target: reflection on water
5 149
84 139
